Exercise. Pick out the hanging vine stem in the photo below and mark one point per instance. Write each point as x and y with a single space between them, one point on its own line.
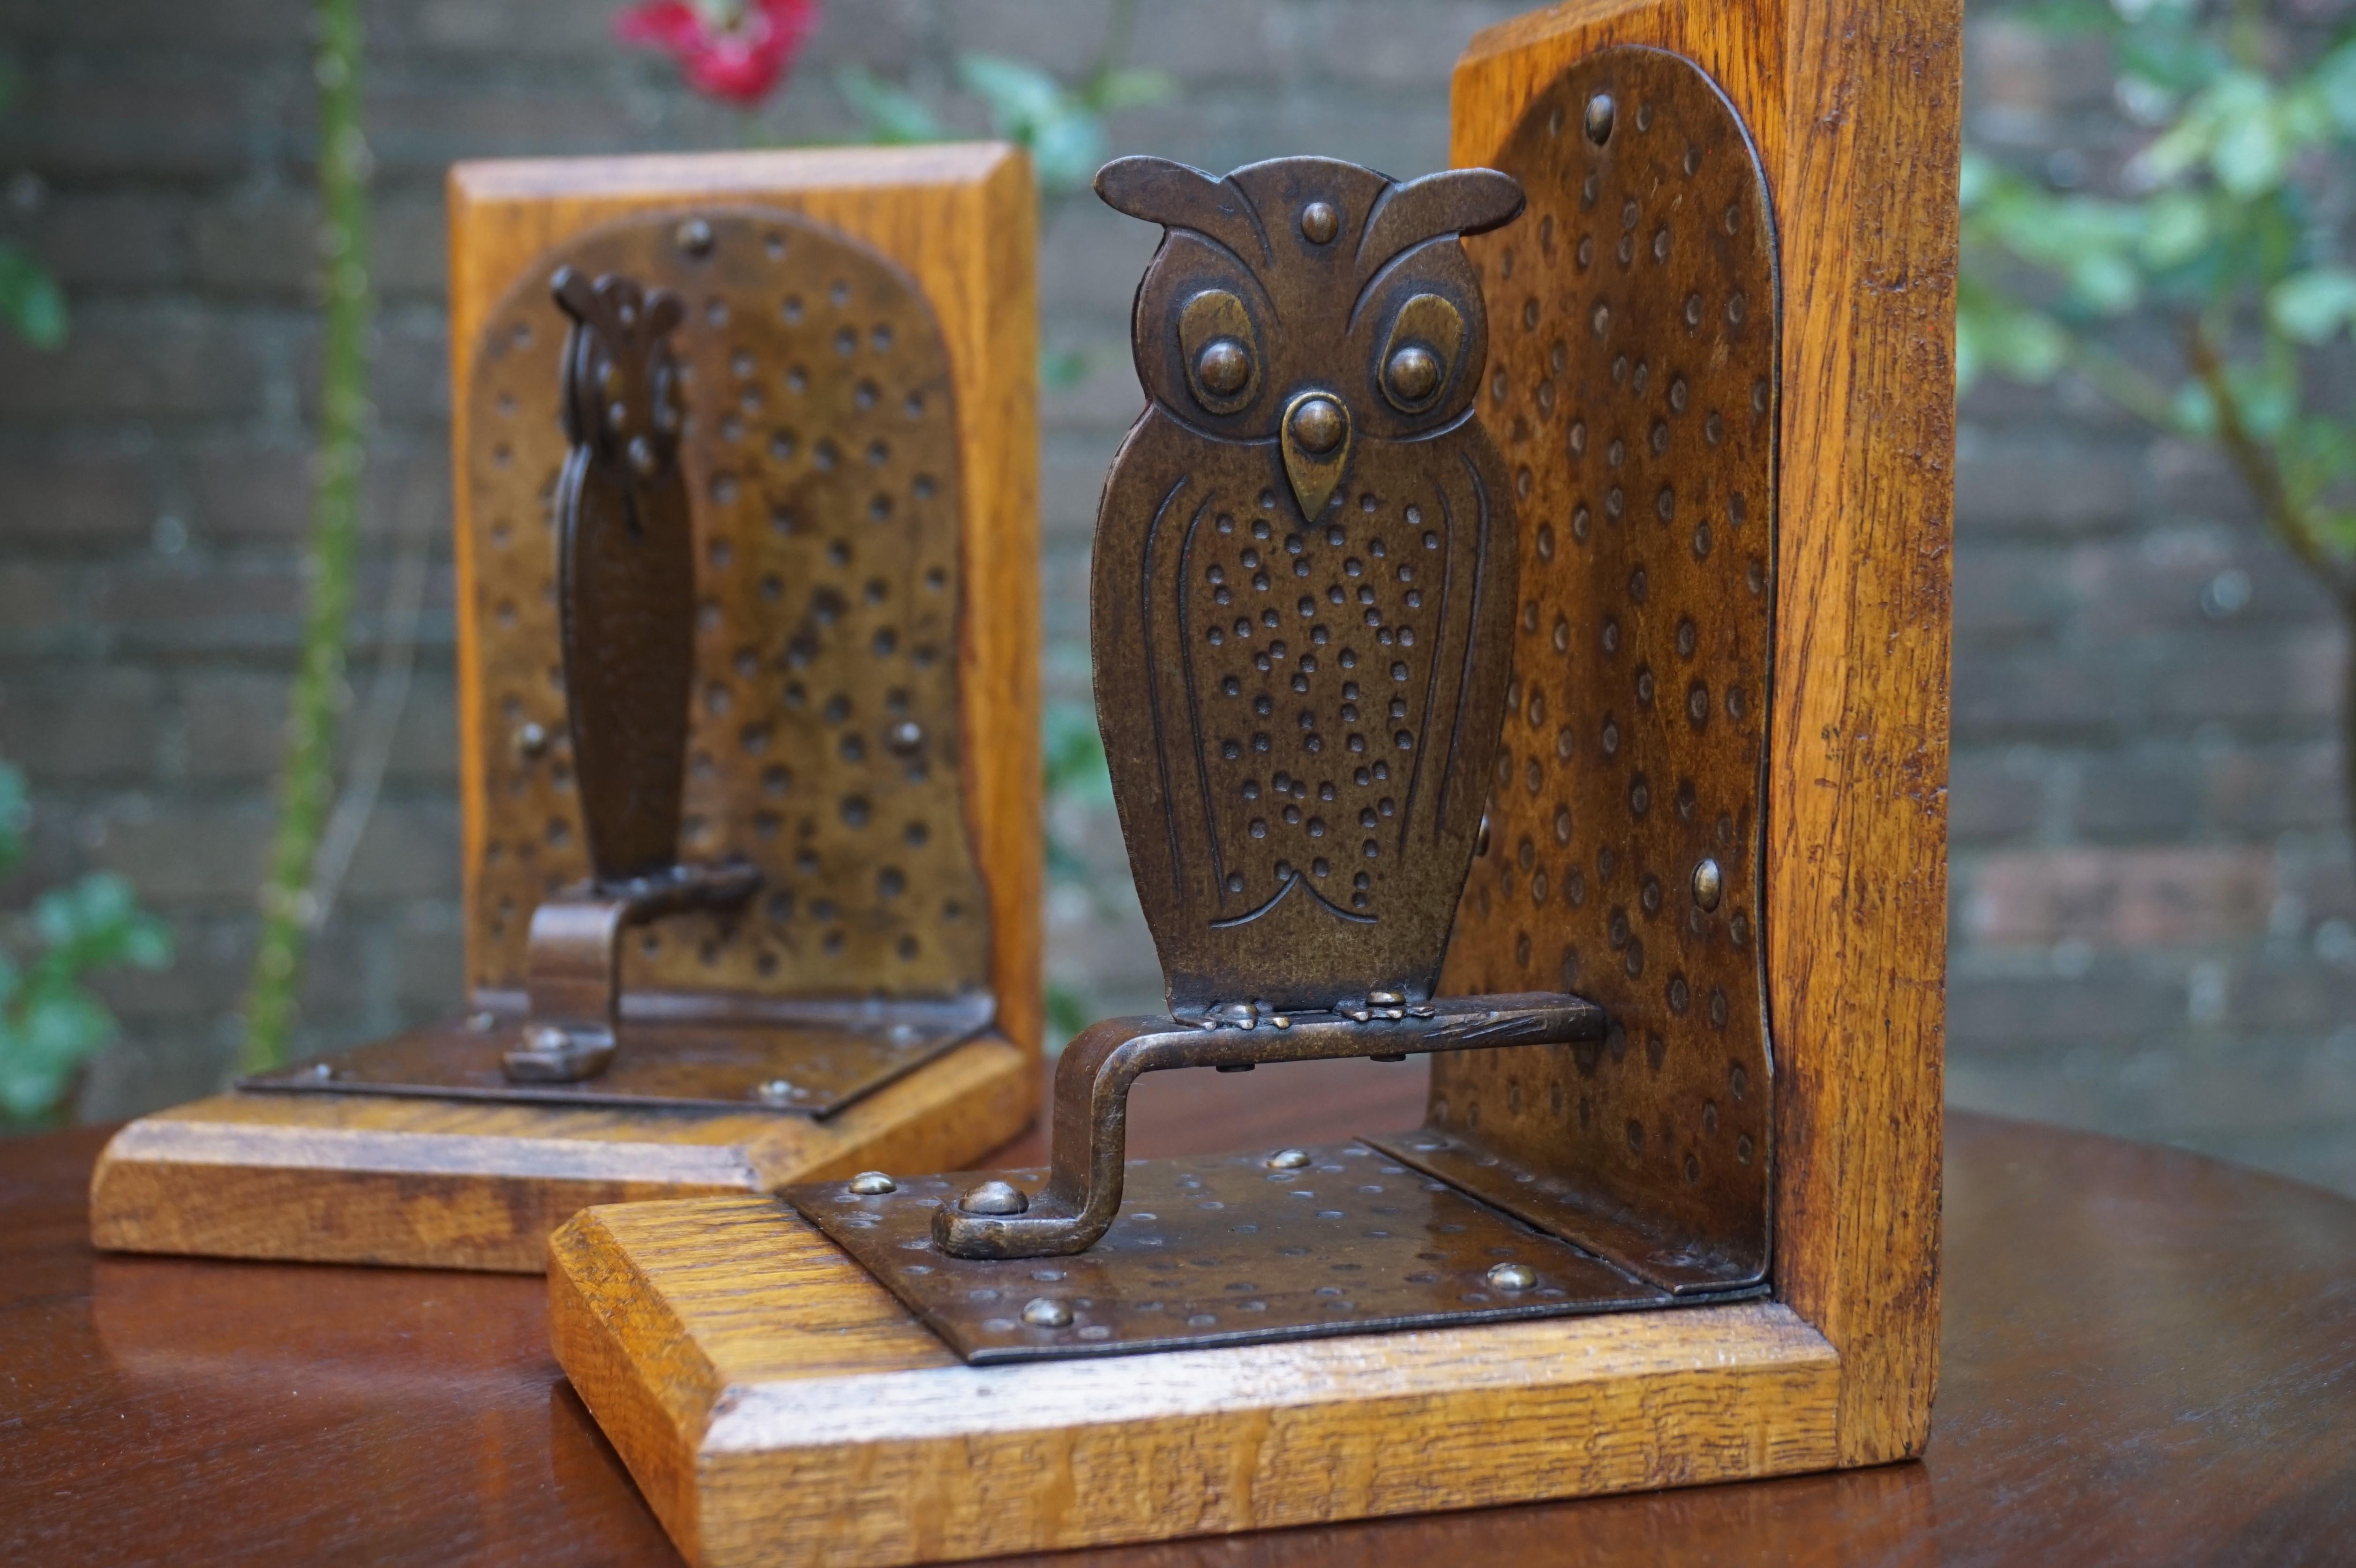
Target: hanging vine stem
306 781
2292 521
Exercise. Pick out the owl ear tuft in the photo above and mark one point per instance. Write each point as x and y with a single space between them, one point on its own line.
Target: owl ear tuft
1160 190
1480 199
1454 202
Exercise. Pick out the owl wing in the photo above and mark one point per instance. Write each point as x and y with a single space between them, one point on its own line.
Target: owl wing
1156 492
628 599
1300 714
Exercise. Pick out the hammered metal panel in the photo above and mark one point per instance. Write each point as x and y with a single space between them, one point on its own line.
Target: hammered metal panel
1225 1250
821 451
1633 390
1300 592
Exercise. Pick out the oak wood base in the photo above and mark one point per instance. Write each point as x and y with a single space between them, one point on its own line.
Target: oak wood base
776 1405
459 1185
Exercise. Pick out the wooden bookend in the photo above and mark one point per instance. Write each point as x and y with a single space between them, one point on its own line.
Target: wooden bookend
1715 819
746 440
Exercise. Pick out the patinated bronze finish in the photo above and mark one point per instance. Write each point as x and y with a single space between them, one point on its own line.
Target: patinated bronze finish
625 603
717 600
1311 560
1296 576
1094 1074
823 728
1228 1249
1633 390
810 1057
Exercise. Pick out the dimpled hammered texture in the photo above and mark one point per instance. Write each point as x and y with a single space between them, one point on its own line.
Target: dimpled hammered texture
820 454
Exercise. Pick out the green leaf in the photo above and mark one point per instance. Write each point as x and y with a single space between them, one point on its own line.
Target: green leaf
2313 306
1067 1010
30 301
1976 179
2194 411
1016 93
1117 90
1062 369
1064 133
1994 333
1076 766
2250 154
889 114
2106 281
15 813
2174 227
2335 82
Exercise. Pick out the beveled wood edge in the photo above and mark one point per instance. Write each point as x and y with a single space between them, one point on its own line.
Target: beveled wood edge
308 1178
652 1407
658 1313
692 175
1855 918
986 303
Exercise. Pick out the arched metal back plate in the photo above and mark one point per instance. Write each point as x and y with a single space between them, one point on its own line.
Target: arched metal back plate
1631 390
822 458
820 454
1635 320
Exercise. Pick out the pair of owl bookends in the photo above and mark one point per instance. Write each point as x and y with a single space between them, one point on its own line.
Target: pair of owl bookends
745 543
1432 608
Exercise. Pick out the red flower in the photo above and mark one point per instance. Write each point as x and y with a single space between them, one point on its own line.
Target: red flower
739 56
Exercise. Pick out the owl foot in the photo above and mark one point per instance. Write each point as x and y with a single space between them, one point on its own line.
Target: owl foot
1387 1004
1241 1016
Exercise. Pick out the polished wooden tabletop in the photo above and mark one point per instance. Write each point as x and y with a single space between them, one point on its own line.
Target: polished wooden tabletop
2149 1359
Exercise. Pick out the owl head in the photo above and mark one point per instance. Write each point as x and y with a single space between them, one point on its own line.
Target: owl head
1311 303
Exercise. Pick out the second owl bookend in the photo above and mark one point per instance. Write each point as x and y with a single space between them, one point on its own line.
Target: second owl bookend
746 549
1304 596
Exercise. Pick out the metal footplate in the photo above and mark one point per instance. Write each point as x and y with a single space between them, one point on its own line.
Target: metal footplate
687 1052
1102 1256
1225 1250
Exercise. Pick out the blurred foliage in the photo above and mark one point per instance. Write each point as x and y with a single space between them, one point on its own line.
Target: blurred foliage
306 785
49 1024
1076 780
2228 230
1061 126
31 304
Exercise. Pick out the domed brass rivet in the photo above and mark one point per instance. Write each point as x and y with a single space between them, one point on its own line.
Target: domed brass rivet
1223 365
1413 373
1317 426
1599 111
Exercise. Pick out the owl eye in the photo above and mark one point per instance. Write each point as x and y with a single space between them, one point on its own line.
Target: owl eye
1215 334
1412 375
1224 367
1426 338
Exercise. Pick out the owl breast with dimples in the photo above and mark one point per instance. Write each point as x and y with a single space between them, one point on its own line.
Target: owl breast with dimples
1303 581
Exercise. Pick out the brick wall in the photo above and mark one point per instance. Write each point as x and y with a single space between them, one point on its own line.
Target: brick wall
2153 894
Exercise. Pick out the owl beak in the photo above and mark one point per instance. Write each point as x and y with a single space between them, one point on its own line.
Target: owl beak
1316 436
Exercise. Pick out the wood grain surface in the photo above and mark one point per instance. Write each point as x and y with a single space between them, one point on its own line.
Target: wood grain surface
358 1178
780 1406
2148 1359
1853 105
448 1184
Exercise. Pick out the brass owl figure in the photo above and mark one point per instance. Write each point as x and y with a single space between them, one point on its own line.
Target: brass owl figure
1303 592
626 571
